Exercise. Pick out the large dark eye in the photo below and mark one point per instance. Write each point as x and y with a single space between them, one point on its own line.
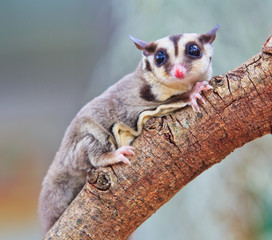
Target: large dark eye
194 51
160 58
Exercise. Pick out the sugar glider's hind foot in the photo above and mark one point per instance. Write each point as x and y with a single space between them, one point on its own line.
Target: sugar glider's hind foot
120 155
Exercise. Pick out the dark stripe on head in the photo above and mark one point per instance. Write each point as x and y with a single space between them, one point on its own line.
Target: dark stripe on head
175 39
147 66
146 93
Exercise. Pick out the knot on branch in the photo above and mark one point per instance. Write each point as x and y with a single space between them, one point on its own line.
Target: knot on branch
99 179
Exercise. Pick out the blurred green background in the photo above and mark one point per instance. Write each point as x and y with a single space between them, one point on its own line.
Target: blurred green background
57 55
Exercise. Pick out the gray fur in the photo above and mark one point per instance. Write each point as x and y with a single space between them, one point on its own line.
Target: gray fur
80 148
112 120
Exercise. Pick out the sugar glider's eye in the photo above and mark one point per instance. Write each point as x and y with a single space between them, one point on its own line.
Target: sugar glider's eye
160 58
194 51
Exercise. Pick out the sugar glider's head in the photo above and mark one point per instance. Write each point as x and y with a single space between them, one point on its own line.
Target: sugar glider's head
179 61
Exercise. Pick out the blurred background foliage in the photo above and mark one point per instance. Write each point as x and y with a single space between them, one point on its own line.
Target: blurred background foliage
57 55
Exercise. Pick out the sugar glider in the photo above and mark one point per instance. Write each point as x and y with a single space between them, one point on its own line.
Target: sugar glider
171 74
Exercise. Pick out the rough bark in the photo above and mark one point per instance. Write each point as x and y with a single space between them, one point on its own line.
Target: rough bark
171 152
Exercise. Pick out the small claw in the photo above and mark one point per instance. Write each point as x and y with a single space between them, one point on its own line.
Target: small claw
196 108
195 105
123 152
198 96
125 160
207 86
127 150
200 86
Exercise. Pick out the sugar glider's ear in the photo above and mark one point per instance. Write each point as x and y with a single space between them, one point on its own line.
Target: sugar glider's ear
140 44
209 36
147 48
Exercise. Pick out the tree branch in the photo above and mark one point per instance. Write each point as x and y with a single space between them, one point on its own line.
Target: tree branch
171 152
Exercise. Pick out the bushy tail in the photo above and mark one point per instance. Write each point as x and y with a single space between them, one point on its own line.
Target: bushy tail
58 191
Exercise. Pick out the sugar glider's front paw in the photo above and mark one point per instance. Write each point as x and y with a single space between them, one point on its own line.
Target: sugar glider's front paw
121 154
196 94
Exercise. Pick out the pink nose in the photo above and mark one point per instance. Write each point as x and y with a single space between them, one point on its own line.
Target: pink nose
179 71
